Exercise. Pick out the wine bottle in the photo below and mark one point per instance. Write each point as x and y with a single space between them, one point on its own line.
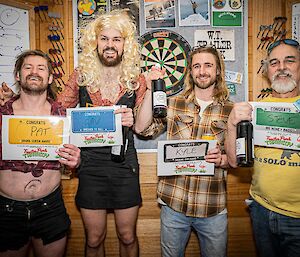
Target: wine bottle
118 152
159 98
244 144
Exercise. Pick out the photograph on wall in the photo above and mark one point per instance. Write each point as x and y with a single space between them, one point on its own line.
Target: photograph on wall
194 12
132 5
159 14
227 13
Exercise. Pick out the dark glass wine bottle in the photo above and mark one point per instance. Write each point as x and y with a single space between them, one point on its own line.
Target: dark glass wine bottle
159 98
118 152
244 144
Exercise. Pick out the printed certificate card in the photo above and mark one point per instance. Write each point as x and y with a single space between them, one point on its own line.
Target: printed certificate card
95 126
33 137
276 125
184 157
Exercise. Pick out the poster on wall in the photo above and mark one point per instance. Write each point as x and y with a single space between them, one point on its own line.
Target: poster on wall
132 5
227 13
223 40
159 14
194 12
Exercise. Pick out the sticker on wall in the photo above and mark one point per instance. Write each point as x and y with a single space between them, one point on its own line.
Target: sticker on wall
227 13
194 12
219 4
232 88
86 8
170 50
159 14
223 40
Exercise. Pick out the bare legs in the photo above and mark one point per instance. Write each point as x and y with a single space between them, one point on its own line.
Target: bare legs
95 226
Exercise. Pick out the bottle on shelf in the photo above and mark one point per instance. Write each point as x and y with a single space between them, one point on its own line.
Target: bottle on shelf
159 98
244 144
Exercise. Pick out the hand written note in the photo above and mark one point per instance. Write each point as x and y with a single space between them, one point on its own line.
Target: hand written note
185 151
283 119
35 131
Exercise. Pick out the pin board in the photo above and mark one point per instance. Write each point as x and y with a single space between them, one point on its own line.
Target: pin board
16 35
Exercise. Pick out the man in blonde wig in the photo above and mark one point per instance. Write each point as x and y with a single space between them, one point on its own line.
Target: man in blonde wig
197 202
108 74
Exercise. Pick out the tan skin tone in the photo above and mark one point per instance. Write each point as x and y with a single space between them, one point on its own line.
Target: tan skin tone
24 186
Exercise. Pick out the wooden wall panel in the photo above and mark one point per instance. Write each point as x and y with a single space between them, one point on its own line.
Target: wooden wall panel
260 13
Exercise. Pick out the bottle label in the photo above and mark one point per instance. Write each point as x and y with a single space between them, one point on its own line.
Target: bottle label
116 149
240 146
159 99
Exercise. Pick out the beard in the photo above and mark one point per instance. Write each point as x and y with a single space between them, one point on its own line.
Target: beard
204 85
110 62
283 86
34 88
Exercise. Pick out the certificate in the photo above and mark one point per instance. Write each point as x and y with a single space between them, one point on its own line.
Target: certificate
95 126
276 125
184 157
33 137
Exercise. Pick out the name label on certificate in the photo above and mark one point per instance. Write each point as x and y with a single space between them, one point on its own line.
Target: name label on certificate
33 137
95 126
184 157
276 125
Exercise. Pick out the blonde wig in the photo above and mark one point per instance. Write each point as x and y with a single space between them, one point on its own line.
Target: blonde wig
220 93
90 66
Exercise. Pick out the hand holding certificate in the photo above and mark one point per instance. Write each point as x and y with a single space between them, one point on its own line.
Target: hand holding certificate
33 137
95 127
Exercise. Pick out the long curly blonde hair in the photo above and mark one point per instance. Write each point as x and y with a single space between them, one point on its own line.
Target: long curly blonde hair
221 92
90 66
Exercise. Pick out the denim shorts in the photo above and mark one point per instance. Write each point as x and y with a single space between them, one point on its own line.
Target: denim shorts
45 218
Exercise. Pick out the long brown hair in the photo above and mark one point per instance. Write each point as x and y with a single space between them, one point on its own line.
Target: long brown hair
221 92
20 61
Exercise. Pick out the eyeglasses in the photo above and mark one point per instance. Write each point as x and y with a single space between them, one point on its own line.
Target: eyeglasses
290 42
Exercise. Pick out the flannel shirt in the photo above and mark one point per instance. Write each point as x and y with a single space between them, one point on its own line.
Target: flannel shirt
195 196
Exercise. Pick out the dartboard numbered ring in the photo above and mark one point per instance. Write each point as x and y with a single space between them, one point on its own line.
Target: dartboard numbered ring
170 50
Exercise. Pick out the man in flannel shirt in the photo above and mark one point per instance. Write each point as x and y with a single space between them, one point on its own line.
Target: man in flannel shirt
197 202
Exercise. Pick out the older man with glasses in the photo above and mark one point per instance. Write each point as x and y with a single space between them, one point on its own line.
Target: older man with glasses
275 191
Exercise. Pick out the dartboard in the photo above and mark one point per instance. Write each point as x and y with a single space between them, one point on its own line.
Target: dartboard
170 50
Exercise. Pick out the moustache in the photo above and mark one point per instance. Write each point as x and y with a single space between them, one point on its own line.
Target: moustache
110 49
282 73
34 76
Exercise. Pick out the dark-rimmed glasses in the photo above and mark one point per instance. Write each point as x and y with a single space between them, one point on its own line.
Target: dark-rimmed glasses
290 42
